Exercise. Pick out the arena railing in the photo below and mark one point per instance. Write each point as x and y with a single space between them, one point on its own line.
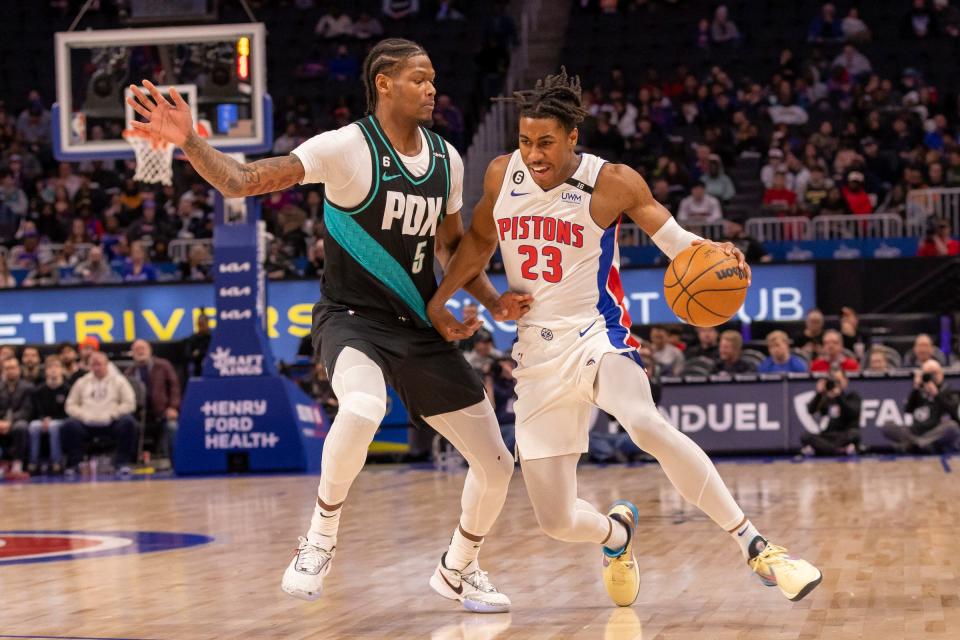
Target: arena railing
179 250
779 229
874 225
941 203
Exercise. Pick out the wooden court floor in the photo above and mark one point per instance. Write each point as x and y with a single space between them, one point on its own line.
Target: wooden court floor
884 533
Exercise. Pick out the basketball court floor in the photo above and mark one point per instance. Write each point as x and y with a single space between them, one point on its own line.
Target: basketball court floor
883 531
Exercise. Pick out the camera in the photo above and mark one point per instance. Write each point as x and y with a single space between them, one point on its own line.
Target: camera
927 377
829 384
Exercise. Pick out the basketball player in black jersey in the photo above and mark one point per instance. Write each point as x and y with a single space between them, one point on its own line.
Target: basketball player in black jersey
393 191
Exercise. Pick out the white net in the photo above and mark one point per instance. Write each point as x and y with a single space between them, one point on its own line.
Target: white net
154 160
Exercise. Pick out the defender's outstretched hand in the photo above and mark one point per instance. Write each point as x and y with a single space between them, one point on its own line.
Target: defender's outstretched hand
448 326
167 121
511 306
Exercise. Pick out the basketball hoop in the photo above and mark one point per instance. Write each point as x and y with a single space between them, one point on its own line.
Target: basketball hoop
154 159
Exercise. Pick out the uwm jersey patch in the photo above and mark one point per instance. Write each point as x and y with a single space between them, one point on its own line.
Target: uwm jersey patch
553 249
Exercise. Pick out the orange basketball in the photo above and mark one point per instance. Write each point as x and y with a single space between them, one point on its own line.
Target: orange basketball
704 286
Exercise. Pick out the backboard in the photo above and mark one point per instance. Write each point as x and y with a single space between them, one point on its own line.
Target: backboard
223 66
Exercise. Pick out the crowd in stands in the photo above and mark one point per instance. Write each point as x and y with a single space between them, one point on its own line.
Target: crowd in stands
90 223
76 402
833 135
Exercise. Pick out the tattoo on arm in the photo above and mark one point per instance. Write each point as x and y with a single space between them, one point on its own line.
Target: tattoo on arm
234 179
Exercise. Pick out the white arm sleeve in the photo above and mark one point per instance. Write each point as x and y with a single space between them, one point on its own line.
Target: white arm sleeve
672 238
455 201
332 157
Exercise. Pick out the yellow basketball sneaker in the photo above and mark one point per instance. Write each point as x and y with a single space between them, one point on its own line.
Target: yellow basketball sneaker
794 577
621 575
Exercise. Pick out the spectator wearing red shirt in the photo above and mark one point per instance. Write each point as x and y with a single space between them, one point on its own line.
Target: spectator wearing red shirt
858 200
938 242
831 354
778 198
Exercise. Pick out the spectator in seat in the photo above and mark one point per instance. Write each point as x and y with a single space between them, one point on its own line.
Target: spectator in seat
15 411
706 345
752 250
855 63
937 241
668 356
857 199
102 402
400 9
811 338
336 24
71 363
198 344
94 270
448 121
163 394
850 330
699 207
818 188
841 407
317 385
933 405
137 267
45 274
483 354
877 362
718 184
946 19
831 355
448 11
723 31
779 199
731 348
826 27
86 348
919 22
923 350
780 359
775 164
6 352
501 388
31 369
197 266
48 407
854 29
366 27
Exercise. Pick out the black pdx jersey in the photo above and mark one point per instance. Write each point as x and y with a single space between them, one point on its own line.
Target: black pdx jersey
379 255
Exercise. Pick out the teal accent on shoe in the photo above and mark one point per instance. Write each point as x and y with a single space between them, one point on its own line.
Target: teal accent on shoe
633 509
615 553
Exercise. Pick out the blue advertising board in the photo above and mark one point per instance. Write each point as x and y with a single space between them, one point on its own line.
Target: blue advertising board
165 312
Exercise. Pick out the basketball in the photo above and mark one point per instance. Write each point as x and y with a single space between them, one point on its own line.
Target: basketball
704 286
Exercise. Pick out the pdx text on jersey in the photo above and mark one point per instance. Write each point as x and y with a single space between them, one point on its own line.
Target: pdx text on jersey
419 214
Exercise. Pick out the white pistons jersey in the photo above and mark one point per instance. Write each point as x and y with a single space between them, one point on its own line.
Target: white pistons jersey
553 249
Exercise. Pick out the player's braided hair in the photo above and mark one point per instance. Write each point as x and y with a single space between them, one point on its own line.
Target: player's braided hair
556 96
386 57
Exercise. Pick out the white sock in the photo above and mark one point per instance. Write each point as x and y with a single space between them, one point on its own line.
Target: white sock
618 535
462 550
744 535
324 526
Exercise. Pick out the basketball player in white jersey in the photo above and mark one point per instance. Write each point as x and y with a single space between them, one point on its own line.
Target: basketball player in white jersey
556 215
392 197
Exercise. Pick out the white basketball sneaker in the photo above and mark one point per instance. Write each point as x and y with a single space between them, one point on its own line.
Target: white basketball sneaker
470 586
304 575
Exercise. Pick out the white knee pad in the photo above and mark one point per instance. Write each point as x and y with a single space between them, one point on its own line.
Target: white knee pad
359 385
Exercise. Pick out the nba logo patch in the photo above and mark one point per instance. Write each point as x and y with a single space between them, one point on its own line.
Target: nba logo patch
546 334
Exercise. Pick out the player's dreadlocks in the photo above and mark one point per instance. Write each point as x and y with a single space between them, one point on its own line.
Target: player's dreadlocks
386 57
556 96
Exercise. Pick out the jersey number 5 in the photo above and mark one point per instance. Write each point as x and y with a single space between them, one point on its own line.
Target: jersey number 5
418 257
553 270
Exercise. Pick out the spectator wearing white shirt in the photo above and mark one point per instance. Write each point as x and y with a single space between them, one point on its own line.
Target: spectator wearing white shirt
699 206
855 29
366 27
336 24
853 61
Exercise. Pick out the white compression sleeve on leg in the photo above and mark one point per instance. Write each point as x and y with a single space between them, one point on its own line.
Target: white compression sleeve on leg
672 238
